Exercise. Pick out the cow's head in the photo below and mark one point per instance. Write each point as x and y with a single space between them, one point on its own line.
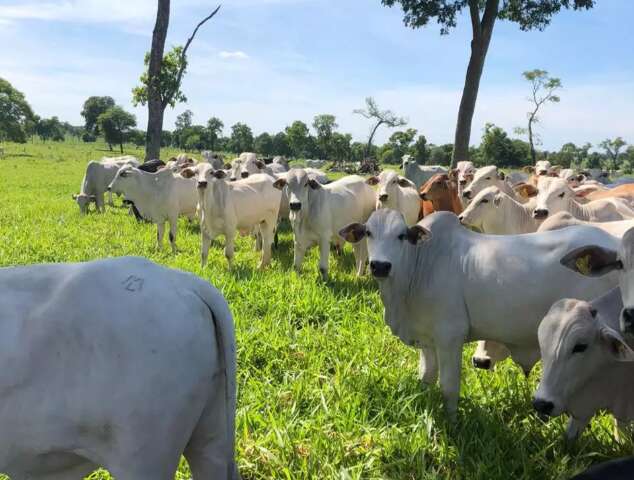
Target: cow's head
124 179
575 346
83 201
484 177
388 236
482 209
543 167
389 182
298 185
595 261
553 196
436 187
465 171
204 174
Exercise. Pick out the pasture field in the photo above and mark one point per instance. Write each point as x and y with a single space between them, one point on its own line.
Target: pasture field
324 390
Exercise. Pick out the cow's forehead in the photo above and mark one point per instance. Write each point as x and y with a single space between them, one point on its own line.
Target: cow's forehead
386 220
296 176
386 175
626 250
565 317
485 171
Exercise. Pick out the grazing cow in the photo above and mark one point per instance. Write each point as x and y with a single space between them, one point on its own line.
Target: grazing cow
487 177
566 219
439 194
214 159
247 205
397 193
159 197
319 211
98 176
587 365
554 195
442 285
157 343
419 174
492 211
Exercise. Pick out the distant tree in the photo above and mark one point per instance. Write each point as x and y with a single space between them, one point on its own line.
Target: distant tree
357 150
543 88
528 14
498 149
50 129
440 154
280 145
419 150
214 131
88 137
613 151
241 138
16 117
324 126
183 122
340 146
400 143
161 82
592 160
264 144
116 124
298 138
380 117
137 137
167 138
93 107
568 156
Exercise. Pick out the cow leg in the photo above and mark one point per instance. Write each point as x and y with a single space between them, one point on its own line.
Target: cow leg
428 366
205 243
266 233
575 427
160 231
449 356
110 202
489 353
172 235
360 251
99 202
298 255
230 239
324 252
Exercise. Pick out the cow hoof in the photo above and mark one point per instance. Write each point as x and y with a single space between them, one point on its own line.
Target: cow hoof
483 363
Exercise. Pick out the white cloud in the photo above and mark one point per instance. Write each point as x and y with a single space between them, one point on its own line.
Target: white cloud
238 55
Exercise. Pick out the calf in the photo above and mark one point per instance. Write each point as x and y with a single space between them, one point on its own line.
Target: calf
319 211
157 343
439 194
414 265
226 207
488 177
397 193
159 197
419 174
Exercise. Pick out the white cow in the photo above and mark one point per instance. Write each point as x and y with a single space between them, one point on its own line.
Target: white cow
443 285
463 174
319 211
159 197
117 363
419 174
554 195
566 219
397 193
250 204
214 159
97 177
281 160
492 211
243 167
486 177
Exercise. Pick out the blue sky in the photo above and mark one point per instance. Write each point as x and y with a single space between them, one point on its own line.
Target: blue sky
269 62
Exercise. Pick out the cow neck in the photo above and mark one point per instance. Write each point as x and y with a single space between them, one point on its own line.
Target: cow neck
517 218
582 212
314 208
216 197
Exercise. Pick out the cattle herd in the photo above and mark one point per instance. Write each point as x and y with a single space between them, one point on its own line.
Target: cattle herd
532 265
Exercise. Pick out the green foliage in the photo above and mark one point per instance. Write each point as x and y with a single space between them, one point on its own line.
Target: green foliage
325 391
93 107
281 145
440 154
340 147
241 139
264 144
400 143
298 139
116 124
612 149
213 133
88 137
419 150
324 126
16 116
498 149
50 129
169 83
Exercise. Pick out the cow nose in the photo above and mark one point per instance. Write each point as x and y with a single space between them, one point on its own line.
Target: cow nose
540 213
202 184
295 206
467 194
628 320
109 188
383 197
461 218
542 172
543 406
423 196
232 179
483 363
380 269
244 174
463 182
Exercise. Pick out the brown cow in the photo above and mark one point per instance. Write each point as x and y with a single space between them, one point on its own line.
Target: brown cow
439 193
626 192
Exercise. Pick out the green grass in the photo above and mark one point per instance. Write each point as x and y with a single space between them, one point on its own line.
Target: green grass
325 391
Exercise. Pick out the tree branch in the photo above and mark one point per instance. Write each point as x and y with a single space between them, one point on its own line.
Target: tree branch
184 54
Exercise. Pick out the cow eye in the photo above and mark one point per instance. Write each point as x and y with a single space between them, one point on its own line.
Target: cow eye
368 233
579 348
561 195
488 178
402 237
484 200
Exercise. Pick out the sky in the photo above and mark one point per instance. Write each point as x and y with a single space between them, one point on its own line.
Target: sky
270 62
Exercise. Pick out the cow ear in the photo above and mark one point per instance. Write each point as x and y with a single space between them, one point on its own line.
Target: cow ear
592 261
353 233
314 184
280 183
187 173
416 234
74 196
501 175
616 345
526 190
528 169
219 174
372 180
259 164
405 183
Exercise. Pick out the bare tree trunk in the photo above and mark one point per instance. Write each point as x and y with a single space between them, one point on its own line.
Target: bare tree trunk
530 140
372 133
482 31
155 102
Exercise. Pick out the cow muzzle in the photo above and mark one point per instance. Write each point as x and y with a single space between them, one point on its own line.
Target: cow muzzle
542 172
244 174
543 407
540 213
466 194
109 188
483 363
295 206
462 183
423 196
202 184
627 321
380 269
383 197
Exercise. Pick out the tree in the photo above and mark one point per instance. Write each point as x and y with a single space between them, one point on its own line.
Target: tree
280 145
16 116
498 149
241 138
50 129
264 144
340 147
298 138
385 117
543 90
324 126
528 14
93 107
400 142
160 84
214 131
613 151
420 151
116 124
181 126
